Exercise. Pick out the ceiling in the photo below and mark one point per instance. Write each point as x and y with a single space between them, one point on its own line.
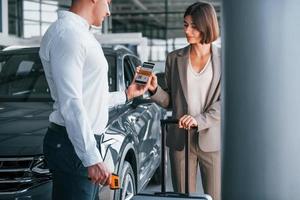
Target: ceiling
149 16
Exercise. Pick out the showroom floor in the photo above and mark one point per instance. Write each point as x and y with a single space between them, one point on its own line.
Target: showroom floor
156 188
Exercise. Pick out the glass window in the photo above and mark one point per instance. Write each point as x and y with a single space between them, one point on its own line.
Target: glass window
112 73
22 78
135 61
38 16
1 16
15 17
29 18
1 64
31 28
128 71
31 10
24 68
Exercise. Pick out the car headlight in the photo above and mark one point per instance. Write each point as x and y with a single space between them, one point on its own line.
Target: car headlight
40 166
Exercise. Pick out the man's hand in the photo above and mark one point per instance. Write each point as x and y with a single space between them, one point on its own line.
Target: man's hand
187 122
134 89
99 174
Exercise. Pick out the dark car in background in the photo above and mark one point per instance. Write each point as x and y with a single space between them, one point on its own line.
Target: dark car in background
130 145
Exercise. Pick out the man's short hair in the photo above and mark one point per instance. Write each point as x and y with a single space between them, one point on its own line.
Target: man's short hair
205 18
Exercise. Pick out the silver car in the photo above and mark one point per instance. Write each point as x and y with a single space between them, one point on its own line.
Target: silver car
130 146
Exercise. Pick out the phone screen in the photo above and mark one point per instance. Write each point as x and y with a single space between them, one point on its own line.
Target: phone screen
144 73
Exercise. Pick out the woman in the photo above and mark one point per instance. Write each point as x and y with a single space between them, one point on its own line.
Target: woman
193 92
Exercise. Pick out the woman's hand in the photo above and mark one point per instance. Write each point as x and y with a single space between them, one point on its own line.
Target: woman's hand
134 89
187 122
153 83
153 80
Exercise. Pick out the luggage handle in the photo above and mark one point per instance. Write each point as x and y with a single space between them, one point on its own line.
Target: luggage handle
164 160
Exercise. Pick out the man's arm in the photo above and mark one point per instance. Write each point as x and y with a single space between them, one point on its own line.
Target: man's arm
117 98
67 60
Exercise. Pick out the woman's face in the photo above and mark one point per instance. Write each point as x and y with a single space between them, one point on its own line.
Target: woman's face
192 35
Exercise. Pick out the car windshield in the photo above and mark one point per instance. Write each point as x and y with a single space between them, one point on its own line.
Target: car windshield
22 77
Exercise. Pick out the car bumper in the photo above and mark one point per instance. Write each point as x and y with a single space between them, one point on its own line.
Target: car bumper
42 191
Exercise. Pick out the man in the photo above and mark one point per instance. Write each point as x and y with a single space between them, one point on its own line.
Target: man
76 71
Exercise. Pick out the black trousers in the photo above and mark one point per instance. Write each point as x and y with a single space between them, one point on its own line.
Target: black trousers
70 177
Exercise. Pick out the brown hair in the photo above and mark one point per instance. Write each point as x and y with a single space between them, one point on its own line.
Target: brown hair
205 18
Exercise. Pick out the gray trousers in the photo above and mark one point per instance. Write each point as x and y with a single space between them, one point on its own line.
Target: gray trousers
209 164
70 177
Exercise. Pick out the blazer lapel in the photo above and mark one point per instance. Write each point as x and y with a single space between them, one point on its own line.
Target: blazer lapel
216 65
182 62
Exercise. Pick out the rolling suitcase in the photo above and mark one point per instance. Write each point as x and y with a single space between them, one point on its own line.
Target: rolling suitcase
172 195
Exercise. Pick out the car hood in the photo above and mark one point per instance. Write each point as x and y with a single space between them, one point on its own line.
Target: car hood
22 127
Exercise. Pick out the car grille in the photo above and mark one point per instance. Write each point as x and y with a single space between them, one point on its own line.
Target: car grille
16 175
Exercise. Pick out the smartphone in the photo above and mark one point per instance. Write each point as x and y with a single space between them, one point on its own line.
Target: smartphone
144 73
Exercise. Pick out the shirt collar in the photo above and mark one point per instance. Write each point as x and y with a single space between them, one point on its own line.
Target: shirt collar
75 17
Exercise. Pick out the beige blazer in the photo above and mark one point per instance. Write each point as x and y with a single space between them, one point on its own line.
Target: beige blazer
175 97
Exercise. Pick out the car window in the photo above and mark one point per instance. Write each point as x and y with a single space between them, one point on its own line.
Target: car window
25 67
111 59
128 71
135 61
22 77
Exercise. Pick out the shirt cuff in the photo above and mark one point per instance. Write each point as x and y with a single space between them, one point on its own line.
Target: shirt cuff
153 93
91 158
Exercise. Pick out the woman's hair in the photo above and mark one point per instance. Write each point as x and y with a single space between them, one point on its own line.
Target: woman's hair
205 18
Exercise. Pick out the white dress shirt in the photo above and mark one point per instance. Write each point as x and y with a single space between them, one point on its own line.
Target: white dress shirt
76 71
197 87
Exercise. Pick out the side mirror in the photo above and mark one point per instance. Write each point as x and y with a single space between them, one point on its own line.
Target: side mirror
141 100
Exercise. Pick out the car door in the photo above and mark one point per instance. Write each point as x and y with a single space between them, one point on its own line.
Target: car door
145 120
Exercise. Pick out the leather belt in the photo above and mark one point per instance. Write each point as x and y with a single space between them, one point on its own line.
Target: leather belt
62 129
57 128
